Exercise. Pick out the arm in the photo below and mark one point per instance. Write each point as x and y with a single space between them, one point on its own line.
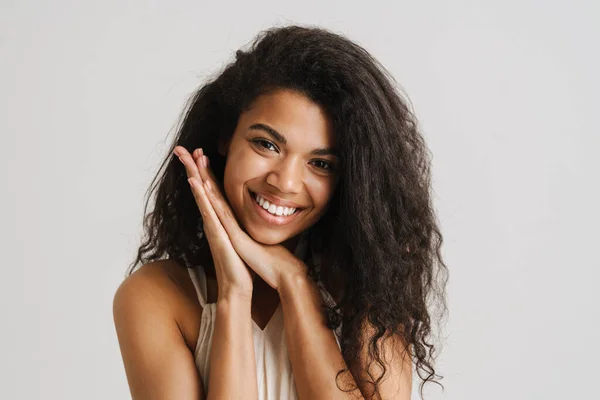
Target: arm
232 365
158 362
316 357
316 366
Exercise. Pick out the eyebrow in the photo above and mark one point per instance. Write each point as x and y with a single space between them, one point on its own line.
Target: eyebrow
281 139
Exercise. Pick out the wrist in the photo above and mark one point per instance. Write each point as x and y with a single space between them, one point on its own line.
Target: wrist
292 283
291 275
234 296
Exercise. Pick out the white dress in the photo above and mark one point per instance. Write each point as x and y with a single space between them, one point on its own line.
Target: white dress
273 366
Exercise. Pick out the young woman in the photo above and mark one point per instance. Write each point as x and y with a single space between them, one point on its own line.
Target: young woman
293 251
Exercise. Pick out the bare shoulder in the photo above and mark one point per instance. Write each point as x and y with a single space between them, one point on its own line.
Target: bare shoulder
163 291
161 282
157 323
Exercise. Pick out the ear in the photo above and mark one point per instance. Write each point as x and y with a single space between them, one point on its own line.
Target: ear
223 147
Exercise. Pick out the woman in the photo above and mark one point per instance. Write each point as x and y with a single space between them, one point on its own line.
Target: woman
292 249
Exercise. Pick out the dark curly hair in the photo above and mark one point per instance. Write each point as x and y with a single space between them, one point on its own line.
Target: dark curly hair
379 239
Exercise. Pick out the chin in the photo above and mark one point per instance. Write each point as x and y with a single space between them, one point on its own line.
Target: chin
268 237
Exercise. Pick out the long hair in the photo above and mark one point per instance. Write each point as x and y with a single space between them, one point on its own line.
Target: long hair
379 241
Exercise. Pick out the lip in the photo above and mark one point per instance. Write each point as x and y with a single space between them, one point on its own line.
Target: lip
277 201
279 220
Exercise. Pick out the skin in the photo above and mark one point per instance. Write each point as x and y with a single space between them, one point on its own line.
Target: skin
283 167
259 162
156 311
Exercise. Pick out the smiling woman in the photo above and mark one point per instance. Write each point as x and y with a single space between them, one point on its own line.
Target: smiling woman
293 251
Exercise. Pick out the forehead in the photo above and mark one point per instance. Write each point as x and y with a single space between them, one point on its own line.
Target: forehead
302 121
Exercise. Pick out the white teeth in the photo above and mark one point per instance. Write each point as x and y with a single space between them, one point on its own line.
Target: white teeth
272 208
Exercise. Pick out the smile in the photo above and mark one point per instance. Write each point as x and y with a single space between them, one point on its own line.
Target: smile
273 213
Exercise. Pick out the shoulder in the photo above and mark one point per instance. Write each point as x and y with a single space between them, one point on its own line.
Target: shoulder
161 282
160 291
157 323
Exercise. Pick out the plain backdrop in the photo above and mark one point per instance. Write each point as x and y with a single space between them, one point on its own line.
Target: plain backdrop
506 93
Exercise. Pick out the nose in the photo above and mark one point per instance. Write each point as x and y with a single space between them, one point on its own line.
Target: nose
286 175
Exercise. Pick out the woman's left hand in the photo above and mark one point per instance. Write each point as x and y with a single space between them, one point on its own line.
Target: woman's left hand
273 263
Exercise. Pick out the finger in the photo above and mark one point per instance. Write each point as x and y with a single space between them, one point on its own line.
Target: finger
200 163
213 228
237 239
240 239
203 164
191 169
217 236
207 175
251 252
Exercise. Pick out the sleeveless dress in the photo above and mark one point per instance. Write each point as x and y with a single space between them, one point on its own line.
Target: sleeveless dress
273 366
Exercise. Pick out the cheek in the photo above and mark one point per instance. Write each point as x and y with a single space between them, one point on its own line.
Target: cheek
231 181
321 191
242 167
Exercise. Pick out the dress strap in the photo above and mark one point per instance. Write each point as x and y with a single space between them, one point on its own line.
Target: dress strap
199 280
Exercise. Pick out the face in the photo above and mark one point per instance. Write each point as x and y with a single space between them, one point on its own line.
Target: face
281 166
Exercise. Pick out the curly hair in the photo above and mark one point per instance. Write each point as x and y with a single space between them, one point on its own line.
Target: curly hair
379 239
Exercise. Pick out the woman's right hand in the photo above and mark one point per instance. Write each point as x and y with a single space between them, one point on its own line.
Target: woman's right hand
234 277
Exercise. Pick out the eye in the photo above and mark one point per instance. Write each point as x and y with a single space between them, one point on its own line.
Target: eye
324 165
264 144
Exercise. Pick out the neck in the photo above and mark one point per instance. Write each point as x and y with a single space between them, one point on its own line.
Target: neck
292 243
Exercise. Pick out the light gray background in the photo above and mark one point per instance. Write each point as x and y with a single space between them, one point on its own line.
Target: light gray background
507 96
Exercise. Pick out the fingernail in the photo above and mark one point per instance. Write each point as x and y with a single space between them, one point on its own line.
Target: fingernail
207 184
191 182
204 161
176 152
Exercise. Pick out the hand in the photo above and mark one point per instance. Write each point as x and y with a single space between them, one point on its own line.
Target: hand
233 275
272 263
